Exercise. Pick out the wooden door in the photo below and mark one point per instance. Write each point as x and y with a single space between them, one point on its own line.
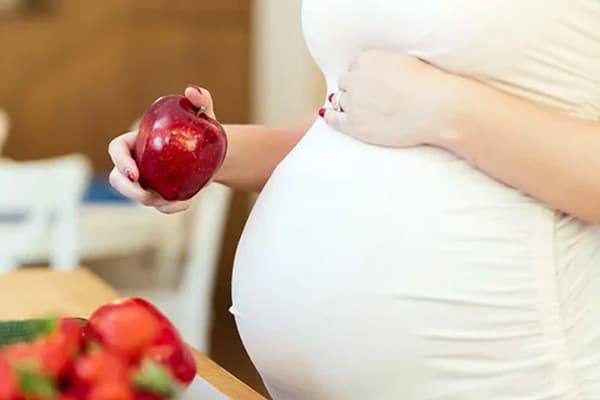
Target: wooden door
80 72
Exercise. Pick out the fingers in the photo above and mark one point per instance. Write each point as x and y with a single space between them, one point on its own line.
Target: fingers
174 207
341 99
201 98
127 188
134 191
338 100
337 116
337 120
119 150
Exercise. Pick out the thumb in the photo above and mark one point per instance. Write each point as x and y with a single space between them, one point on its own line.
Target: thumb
200 98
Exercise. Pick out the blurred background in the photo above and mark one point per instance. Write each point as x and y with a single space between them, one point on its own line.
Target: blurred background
76 73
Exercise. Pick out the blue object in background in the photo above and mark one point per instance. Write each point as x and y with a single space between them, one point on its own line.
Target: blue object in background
100 191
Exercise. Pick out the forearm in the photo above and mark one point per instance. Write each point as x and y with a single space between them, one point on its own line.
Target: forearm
548 155
255 150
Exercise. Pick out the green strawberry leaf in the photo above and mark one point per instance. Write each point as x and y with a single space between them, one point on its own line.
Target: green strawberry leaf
35 385
155 378
48 326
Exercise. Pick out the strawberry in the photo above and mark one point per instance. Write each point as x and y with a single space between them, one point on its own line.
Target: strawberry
168 348
72 332
111 390
53 358
9 382
22 354
154 379
67 396
147 396
123 328
73 392
135 329
99 366
25 360
60 348
177 358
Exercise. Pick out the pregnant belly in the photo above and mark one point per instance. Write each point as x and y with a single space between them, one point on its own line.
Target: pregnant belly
411 256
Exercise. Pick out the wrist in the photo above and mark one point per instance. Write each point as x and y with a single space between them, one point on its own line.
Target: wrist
459 114
221 175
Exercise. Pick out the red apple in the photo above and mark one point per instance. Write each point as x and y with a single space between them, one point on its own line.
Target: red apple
178 148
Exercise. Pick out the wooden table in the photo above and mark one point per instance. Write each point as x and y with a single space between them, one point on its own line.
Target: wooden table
31 293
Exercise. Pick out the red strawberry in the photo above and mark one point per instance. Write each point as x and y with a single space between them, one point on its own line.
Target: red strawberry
26 360
22 354
177 358
72 391
134 328
54 360
147 396
124 328
72 332
111 390
60 348
100 366
9 382
168 348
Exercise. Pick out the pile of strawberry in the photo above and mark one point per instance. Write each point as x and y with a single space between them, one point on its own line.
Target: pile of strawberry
127 350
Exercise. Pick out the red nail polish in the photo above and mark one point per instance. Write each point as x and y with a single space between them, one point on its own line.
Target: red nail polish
195 87
130 175
330 97
322 112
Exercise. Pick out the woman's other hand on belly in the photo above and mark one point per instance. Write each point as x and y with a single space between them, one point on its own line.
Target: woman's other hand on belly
393 99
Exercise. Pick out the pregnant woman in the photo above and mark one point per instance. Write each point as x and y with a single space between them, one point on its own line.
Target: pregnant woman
433 235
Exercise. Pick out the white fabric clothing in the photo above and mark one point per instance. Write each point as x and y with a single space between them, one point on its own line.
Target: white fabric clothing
374 273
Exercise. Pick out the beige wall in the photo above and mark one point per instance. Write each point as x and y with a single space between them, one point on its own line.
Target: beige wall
286 81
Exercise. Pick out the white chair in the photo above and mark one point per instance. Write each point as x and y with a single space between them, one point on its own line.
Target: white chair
4 127
39 203
189 305
118 229
111 230
108 230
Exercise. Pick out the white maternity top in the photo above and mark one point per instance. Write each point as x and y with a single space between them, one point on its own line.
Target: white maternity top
374 273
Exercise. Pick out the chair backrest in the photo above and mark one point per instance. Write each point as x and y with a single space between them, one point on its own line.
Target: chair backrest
38 198
209 219
4 128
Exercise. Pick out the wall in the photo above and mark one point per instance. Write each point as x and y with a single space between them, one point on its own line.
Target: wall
79 73
286 81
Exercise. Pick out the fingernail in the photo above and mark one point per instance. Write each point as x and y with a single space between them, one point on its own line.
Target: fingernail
130 175
330 97
322 112
195 87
